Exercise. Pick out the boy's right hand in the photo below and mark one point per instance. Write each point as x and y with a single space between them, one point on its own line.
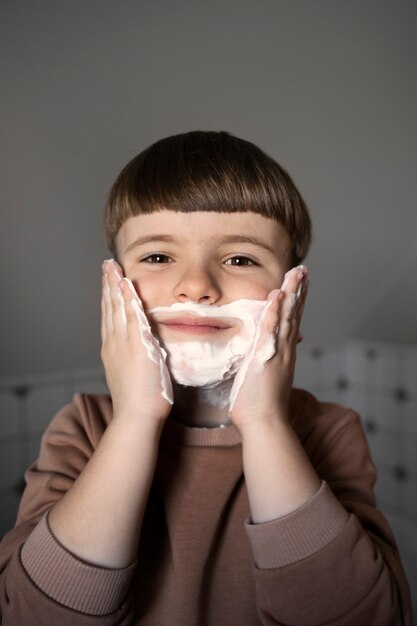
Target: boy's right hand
134 363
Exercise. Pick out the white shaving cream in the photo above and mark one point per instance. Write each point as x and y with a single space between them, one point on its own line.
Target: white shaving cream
212 364
155 352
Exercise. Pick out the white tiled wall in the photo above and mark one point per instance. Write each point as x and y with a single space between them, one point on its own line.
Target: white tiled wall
27 405
377 380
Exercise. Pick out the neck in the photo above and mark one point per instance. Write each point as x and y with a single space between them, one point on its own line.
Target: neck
200 407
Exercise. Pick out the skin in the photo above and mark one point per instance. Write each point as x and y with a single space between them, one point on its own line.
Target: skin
207 261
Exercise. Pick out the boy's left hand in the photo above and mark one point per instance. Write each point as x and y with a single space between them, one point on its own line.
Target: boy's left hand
265 394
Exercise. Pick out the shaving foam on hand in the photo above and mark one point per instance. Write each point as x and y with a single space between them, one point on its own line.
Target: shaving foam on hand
263 348
261 351
155 352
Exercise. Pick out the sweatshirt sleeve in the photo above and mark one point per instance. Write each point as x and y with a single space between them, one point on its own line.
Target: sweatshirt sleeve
41 583
333 561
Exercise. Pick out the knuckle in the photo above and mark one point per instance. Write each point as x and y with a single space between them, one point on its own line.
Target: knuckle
131 317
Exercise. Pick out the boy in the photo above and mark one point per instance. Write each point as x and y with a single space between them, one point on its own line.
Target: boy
228 499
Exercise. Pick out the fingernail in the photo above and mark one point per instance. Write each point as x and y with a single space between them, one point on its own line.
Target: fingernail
106 263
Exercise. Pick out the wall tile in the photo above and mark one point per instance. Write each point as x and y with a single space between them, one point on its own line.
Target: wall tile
387 411
333 369
357 365
43 403
410 374
9 503
389 491
410 499
93 385
302 376
9 414
374 365
385 370
358 400
10 464
410 418
386 450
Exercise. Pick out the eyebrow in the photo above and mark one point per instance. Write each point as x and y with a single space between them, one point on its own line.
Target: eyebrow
150 239
246 239
226 239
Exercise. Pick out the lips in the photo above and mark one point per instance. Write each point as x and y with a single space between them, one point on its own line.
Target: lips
194 325
189 320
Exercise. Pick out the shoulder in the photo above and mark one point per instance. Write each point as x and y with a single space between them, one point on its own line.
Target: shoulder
307 411
333 438
326 427
86 416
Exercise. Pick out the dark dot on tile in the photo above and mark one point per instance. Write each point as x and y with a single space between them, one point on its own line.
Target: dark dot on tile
316 353
401 395
342 383
371 425
371 354
21 390
400 473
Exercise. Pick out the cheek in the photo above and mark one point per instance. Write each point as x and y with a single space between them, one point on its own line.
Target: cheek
259 290
150 290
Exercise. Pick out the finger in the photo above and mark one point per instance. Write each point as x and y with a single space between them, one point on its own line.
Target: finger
110 265
270 316
299 310
103 312
107 269
138 327
132 318
292 289
116 298
118 268
267 326
136 317
298 316
294 298
107 306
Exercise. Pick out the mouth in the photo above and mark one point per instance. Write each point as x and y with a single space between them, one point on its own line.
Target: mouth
194 325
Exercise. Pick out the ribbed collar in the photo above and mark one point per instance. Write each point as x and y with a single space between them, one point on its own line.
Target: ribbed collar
221 437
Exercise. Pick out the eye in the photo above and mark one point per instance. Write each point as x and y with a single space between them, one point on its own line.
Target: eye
240 260
156 258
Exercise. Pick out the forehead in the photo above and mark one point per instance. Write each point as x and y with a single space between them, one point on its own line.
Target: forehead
205 228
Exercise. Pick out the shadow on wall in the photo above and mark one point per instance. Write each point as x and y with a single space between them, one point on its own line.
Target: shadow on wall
377 380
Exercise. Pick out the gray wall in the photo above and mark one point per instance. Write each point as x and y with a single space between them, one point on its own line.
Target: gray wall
327 87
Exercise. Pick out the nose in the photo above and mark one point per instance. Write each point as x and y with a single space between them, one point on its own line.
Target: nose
197 285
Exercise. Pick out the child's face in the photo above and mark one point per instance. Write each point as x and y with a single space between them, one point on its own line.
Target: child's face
205 257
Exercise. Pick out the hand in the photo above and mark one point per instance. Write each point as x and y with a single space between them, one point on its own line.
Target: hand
134 362
263 393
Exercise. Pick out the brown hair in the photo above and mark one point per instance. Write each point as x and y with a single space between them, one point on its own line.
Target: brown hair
208 171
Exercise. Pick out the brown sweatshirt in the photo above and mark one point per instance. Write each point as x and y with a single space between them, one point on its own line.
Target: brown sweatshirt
201 562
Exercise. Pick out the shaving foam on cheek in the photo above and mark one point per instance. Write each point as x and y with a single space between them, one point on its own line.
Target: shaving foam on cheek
211 365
